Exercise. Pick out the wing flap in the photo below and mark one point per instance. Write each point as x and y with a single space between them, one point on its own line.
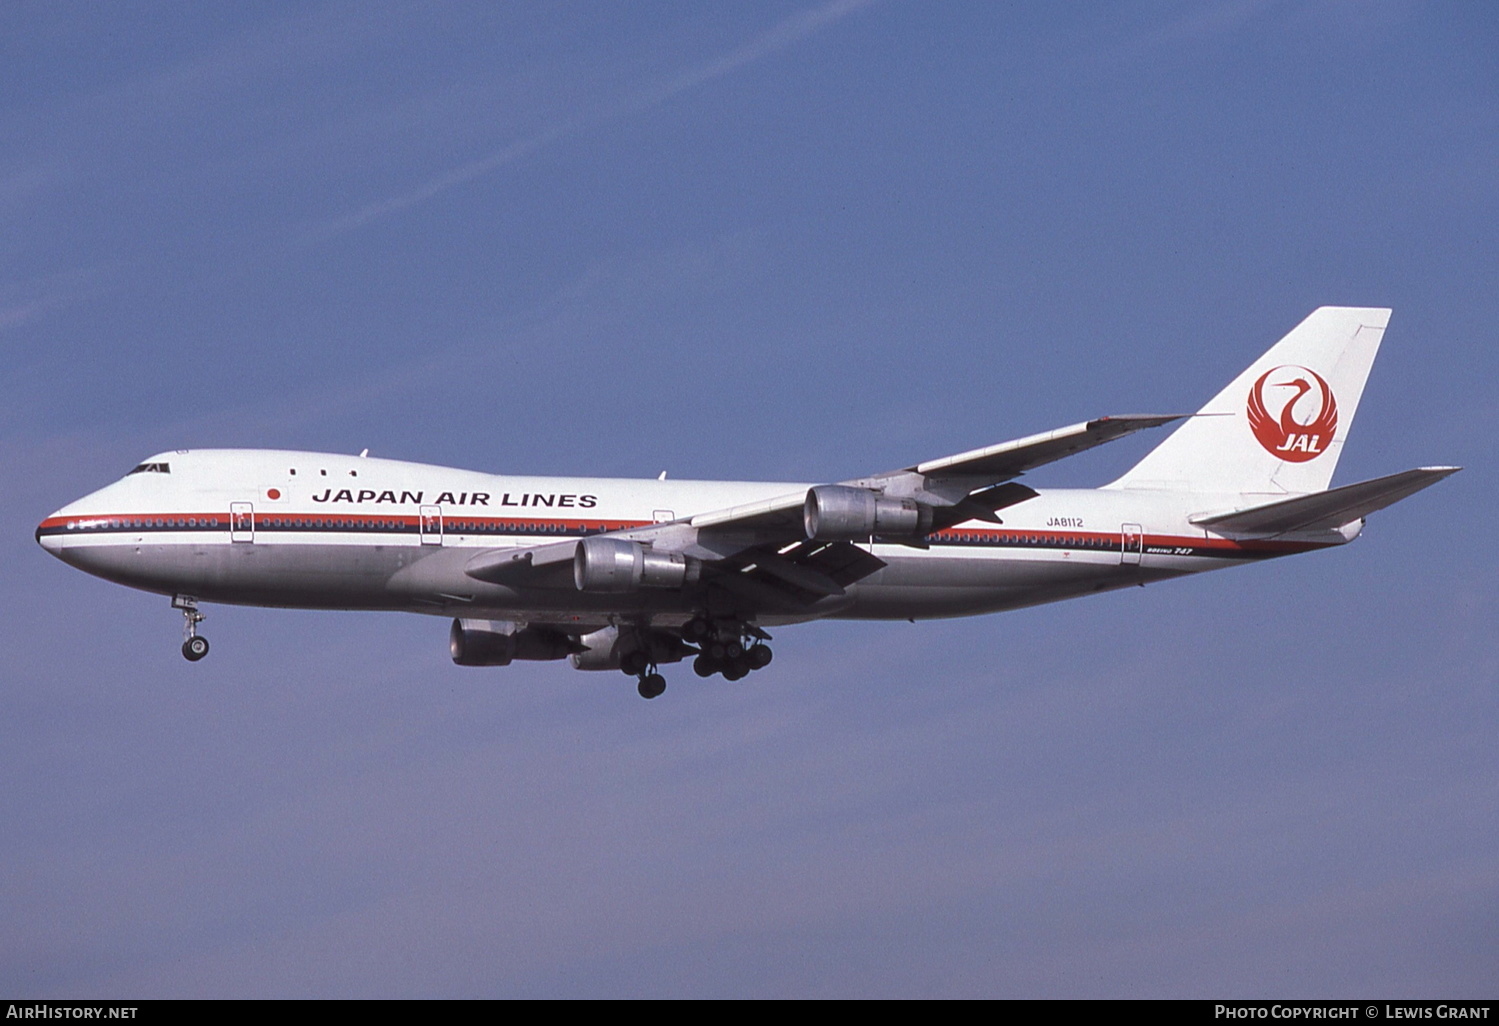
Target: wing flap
799 576
802 575
845 563
1326 510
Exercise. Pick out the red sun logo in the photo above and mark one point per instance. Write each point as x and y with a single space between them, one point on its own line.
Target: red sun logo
1308 413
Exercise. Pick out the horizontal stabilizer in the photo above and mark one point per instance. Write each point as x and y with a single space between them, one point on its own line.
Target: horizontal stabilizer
1327 510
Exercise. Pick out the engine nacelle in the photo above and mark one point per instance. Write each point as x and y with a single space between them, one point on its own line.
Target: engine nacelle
600 650
841 513
606 649
499 642
617 565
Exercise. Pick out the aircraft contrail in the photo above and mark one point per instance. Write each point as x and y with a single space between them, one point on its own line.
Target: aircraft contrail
787 32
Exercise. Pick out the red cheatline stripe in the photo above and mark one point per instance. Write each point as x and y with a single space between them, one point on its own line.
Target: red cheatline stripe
453 523
1106 540
462 524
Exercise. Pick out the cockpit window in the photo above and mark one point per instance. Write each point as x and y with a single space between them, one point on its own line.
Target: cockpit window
152 468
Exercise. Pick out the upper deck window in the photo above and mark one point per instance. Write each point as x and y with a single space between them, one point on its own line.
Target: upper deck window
152 468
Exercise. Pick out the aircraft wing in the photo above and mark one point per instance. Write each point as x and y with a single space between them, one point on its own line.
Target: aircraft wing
782 514
1010 459
950 480
760 552
749 562
971 485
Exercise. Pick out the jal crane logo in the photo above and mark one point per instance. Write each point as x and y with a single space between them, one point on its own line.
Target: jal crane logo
1307 413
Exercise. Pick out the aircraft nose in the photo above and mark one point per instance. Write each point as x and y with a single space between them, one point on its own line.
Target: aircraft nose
46 536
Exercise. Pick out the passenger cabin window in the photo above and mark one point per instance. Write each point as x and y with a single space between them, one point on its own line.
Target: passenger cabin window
152 468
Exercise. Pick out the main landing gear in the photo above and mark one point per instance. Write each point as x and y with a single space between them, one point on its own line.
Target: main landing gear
194 645
651 685
638 664
732 649
732 660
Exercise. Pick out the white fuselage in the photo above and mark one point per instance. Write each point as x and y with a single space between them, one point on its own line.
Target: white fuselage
313 530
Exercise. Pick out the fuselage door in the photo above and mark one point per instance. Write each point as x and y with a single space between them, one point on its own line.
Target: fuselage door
241 522
1132 544
431 525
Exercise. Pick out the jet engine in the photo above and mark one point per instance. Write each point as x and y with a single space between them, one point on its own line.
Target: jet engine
600 650
631 649
618 565
498 642
841 513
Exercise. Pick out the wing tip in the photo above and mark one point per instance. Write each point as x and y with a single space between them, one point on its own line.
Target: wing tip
1136 421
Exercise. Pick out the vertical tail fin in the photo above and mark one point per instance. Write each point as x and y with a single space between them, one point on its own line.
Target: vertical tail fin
1278 427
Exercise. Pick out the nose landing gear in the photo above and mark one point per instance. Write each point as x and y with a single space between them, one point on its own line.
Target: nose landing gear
194 645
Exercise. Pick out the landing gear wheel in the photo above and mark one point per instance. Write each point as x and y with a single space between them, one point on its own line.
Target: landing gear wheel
758 656
634 663
724 650
696 629
737 669
193 647
704 666
651 685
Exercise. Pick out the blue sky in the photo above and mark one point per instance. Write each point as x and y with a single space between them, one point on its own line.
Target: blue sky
783 241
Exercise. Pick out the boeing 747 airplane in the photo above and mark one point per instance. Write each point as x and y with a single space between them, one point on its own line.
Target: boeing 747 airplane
630 575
